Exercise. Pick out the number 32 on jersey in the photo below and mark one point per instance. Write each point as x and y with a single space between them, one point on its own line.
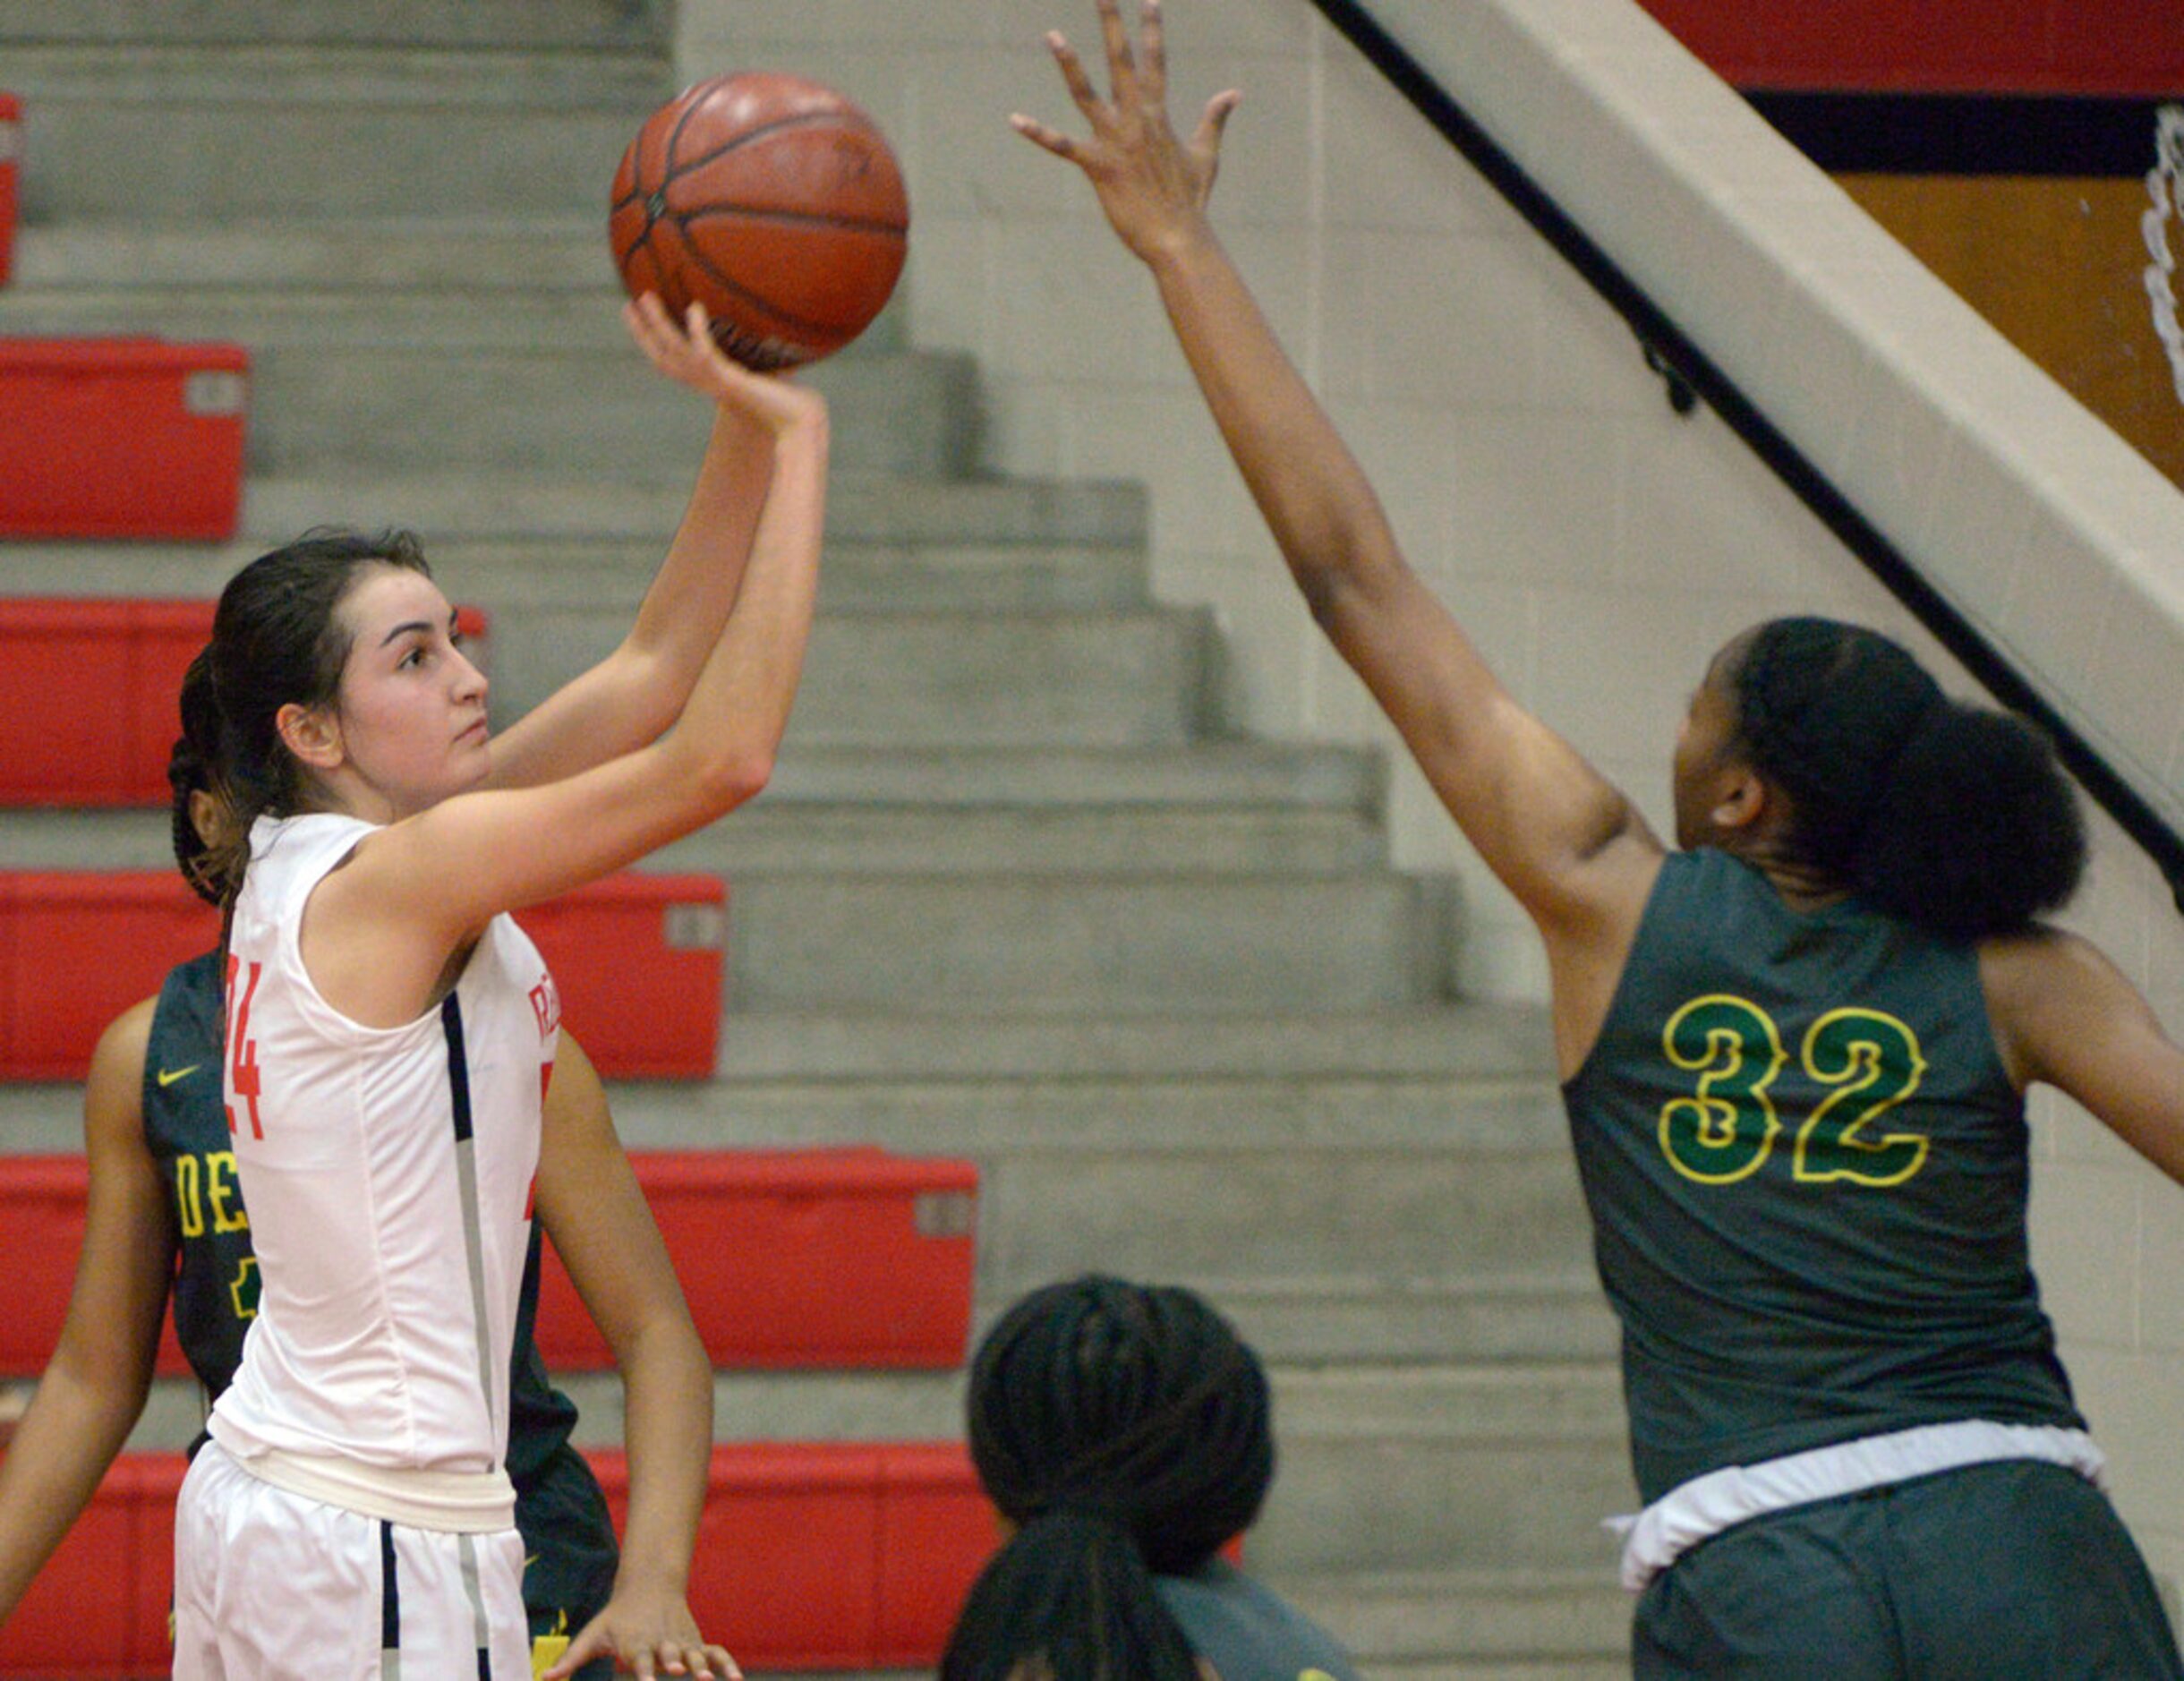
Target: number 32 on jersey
1869 1062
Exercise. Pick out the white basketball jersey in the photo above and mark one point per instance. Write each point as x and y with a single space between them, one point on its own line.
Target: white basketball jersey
387 1172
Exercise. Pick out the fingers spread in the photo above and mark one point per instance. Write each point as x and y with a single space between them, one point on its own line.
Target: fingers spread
1153 44
1073 75
1039 134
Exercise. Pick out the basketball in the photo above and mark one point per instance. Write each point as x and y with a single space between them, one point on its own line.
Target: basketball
774 201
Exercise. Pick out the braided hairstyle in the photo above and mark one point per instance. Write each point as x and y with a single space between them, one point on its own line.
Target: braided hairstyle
1956 818
1124 1429
277 638
192 769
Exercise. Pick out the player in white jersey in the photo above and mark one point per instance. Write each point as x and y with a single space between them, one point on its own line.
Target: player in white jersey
389 1030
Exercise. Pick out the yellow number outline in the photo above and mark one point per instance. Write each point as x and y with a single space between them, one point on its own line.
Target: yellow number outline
1717 1116
1862 1071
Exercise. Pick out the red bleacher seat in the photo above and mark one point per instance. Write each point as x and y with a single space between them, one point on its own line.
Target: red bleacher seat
11 161
843 1258
41 1233
87 696
937 1529
636 960
832 1554
98 1611
120 438
78 947
811 1259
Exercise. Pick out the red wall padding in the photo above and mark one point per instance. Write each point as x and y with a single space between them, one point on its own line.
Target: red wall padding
78 947
844 1257
810 1556
810 1259
87 696
120 438
832 1554
2115 48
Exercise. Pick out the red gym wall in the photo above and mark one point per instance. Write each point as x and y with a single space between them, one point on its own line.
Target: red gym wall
2128 47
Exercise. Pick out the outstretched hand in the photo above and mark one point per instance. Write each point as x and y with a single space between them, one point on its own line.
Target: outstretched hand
689 354
1153 186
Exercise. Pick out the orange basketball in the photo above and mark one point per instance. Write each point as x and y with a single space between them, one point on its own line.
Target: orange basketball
774 201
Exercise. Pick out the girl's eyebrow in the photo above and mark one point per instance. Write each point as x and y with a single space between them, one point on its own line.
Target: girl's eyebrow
424 625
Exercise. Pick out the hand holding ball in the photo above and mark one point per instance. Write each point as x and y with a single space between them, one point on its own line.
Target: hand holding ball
774 201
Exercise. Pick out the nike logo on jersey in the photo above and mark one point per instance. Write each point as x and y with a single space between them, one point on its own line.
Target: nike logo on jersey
168 1075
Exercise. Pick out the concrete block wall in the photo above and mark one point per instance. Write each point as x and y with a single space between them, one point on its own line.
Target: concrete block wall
1598 546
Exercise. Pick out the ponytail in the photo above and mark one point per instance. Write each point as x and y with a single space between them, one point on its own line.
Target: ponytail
1068 1598
1957 819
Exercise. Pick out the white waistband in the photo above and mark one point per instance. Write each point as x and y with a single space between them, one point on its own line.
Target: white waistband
462 1502
1655 1538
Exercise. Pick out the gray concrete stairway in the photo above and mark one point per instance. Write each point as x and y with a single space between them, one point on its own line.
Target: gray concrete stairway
1019 891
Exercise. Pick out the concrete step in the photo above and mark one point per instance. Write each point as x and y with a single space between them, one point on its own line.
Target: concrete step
532 25
1189 945
964 679
124 265
1220 808
1444 1468
1504 1467
1399 1215
1450 1623
190 133
1498 1042
242 279
547 540
853 839
429 379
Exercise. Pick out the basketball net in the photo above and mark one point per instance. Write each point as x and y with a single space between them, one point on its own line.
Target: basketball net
2162 184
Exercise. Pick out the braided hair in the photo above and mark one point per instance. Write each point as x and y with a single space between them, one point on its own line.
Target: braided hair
1125 1430
192 769
1956 818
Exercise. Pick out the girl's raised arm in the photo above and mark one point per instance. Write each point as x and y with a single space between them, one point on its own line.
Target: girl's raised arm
379 930
636 691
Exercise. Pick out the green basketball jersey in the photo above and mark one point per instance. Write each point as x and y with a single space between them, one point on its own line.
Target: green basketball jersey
1807 1172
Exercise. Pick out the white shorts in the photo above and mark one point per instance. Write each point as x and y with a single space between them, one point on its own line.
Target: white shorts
270 1585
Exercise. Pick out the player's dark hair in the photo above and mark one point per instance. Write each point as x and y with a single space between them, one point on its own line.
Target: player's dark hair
191 768
277 638
1125 1430
1957 818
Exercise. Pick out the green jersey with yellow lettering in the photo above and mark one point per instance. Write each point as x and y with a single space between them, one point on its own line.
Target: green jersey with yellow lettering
568 1538
1807 1172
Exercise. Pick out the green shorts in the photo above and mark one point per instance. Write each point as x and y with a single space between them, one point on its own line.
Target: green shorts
2013 1570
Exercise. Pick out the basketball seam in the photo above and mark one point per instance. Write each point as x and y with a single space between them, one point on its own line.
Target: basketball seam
676 167
799 323
794 218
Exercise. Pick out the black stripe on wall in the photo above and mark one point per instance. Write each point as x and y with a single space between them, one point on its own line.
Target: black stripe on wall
1965 135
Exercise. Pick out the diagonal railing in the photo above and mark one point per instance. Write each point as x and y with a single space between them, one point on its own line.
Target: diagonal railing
1691 375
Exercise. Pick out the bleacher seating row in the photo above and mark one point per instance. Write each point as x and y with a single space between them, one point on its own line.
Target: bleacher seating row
851 1258
810 1556
636 960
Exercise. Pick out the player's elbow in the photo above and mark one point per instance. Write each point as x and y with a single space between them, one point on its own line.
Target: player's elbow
731 777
